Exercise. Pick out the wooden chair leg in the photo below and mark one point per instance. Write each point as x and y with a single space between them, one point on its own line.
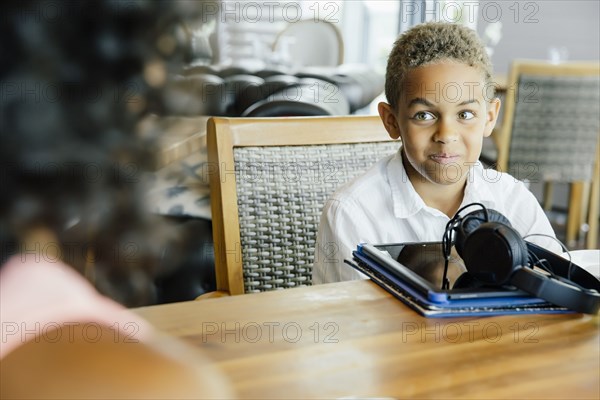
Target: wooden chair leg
585 203
594 209
592 237
574 215
548 194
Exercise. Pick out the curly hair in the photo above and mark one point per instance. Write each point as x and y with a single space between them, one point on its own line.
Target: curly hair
429 43
76 78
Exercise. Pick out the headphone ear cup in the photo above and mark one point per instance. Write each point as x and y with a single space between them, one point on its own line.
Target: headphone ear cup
471 222
493 252
459 240
495 216
467 281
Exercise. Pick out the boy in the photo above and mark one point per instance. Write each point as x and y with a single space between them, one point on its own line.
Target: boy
437 82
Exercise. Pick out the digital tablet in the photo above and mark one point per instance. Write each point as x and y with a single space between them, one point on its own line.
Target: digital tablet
454 308
421 265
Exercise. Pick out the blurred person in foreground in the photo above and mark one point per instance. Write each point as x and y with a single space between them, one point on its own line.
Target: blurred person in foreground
76 79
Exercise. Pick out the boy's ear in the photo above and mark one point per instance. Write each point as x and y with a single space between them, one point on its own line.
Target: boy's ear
493 109
388 117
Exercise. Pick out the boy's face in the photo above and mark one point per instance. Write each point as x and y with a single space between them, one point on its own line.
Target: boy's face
442 117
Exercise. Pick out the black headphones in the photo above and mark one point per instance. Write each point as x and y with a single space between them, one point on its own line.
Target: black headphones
495 254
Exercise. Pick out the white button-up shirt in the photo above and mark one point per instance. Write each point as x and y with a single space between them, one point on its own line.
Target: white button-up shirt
382 206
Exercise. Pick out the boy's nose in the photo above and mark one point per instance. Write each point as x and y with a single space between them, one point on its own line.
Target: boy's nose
446 132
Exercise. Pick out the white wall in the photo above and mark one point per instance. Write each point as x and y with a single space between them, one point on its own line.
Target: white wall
539 25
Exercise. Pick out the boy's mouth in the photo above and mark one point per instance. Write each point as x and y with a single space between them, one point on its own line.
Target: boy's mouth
444 158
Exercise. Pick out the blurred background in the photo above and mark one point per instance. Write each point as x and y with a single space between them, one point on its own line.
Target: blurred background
545 29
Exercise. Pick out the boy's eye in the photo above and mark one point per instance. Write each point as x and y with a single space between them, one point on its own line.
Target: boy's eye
423 116
466 115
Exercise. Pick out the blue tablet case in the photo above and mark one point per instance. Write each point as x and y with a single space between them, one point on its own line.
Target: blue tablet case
404 291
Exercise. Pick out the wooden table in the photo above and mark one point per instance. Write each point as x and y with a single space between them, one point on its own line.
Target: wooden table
353 339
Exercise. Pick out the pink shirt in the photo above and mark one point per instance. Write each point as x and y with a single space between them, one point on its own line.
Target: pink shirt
38 296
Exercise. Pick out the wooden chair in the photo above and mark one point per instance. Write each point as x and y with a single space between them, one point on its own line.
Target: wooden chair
269 179
550 133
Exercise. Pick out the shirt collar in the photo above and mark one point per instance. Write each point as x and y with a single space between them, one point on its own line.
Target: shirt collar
478 189
407 202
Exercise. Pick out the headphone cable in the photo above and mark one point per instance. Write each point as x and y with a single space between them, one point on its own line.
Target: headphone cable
561 245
